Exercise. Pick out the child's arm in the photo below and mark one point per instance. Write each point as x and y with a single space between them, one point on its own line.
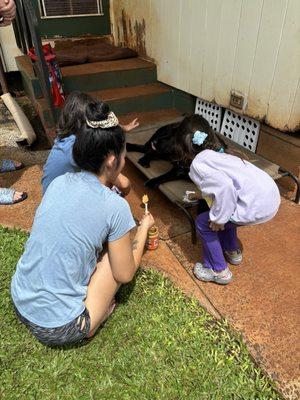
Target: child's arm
133 124
218 186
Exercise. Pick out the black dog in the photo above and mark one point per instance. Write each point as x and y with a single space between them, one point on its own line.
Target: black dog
163 145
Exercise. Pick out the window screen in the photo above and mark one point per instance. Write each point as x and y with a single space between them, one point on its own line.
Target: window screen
67 8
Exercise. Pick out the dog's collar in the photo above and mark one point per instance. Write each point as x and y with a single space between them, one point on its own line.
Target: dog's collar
221 150
153 147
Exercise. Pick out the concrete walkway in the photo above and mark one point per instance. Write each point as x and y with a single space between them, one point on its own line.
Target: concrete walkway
263 300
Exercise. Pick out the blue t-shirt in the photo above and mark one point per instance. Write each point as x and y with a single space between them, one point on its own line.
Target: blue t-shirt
76 216
59 161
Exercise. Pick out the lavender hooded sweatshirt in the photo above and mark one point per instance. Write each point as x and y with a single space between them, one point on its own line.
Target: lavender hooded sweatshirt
239 191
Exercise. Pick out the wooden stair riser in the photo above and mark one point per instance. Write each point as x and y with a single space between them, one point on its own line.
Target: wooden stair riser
142 103
106 80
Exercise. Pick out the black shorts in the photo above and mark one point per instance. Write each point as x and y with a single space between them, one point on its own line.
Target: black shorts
73 332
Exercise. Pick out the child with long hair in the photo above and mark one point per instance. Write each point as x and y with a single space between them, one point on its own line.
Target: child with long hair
237 192
60 159
65 282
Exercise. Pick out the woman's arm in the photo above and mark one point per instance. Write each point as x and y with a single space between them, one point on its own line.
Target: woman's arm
124 256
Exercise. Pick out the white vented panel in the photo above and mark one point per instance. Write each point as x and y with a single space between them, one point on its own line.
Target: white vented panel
211 112
242 130
70 8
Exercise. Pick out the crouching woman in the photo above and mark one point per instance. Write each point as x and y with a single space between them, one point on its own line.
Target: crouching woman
65 283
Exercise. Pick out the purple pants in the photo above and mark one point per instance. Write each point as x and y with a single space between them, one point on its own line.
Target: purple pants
215 243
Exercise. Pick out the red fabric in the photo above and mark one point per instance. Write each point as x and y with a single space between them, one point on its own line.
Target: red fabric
55 77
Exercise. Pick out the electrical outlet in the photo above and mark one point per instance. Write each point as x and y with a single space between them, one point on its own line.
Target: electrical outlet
238 100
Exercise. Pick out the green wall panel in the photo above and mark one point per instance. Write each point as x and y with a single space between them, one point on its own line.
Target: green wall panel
77 26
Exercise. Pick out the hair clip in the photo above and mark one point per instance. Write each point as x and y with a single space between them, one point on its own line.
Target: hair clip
110 122
199 137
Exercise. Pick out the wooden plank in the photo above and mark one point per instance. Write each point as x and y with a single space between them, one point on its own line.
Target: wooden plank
229 27
266 56
127 92
108 80
151 119
106 66
197 21
286 75
213 18
246 45
185 64
169 41
294 118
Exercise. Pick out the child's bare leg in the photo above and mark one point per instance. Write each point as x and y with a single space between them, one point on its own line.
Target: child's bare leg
100 294
123 184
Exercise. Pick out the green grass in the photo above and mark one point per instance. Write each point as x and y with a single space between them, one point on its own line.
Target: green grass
157 345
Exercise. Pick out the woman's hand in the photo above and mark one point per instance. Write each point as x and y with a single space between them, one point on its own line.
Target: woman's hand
216 227
133 124
147 221
7 12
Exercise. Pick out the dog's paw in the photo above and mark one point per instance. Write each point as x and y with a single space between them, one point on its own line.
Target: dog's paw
144 163
151 184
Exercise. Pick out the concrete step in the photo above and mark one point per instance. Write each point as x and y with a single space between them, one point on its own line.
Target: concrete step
108 74
151 119
140 98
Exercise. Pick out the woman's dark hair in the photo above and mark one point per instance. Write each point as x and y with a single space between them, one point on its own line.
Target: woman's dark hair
93 145
185 148
72 115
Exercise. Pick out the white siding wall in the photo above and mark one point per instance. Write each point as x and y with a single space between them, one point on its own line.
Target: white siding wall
210 47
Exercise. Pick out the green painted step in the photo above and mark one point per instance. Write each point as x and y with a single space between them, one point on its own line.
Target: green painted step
153 96
108 74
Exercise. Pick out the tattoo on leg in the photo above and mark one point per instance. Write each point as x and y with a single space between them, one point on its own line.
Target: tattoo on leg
134 244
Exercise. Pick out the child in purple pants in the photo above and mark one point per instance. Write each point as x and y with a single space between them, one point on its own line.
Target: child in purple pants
237 192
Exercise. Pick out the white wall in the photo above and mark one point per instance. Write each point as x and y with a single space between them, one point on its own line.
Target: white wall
9 48
210 47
